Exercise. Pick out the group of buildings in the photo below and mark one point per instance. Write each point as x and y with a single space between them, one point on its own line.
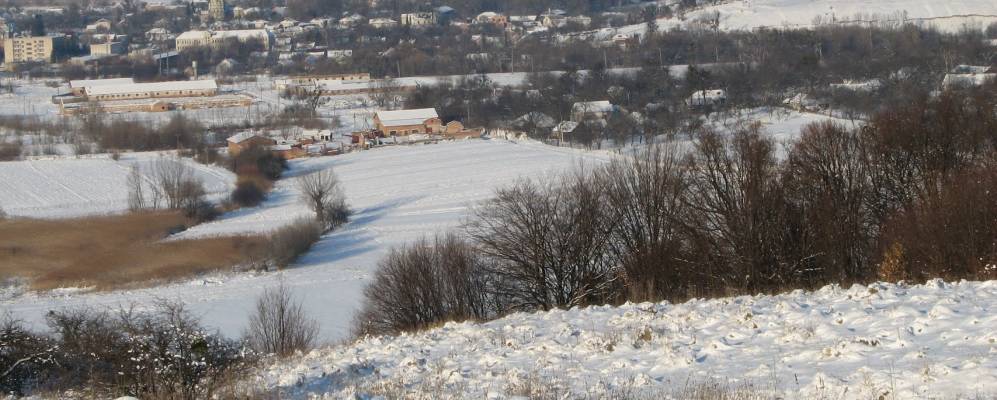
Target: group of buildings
398 126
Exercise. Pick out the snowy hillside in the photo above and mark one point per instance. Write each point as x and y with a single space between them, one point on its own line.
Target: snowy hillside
887 341
950 15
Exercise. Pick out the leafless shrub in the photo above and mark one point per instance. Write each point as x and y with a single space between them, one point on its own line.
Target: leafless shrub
736 216
10 151
136 191
949 234
425 283
321 190
546 242
644 196
25 357
280 326
827 181
176 184
248 193
159 354
293 240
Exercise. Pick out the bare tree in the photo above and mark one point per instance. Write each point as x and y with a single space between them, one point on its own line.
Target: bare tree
177 184
136 193
323 193
280 325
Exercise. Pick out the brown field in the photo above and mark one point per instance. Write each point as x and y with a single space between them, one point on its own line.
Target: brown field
110 252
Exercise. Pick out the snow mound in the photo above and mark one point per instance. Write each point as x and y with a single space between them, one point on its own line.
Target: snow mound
927 341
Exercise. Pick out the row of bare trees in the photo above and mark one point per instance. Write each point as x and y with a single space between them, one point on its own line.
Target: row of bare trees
906 197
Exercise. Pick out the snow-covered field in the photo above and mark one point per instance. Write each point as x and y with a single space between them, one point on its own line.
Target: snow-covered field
398 193
881 341
60 187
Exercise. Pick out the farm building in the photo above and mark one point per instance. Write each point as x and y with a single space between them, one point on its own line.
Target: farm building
131 91
407 122
244 140
77 87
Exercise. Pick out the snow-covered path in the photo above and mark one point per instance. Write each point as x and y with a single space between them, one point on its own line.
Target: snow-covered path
398 193
937 340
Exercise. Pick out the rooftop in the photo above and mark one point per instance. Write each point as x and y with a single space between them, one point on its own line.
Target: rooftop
127 88
406 117
100 82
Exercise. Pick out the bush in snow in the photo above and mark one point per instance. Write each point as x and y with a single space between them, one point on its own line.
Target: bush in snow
26 358
163 353
546 243
279 326
423 284
248 193
290 241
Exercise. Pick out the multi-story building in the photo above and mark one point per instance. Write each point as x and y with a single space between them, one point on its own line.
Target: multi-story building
192 39
107 49
6 29
31 48
216 9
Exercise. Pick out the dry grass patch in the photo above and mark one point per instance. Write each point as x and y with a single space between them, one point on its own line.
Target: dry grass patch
109 252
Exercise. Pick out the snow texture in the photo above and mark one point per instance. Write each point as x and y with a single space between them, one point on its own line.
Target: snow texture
60 187
935 340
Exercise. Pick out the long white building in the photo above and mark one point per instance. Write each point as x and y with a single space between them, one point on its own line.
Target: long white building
131 91
193 39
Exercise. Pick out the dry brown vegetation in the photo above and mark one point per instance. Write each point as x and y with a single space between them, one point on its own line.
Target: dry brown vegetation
109 252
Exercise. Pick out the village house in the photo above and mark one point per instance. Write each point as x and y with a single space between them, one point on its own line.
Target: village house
456 130
101 25
244 140
707 98
407 122
194 39
382 23
493 18
591 110
418 19
159 35
107 49
964 76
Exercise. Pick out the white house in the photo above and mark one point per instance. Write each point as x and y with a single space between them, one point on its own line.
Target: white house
703 98
592 109
380 23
